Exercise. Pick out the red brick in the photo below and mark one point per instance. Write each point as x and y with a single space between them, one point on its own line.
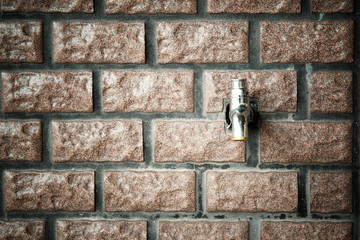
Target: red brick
63 6
195 141
332 6
306 230
99 42
151 7
306 142
20 141
255 6
326 41
203 42
203 230
97 141
331 92
21 42
31 230
150 191
86 229
49 191
148 91
251 191
47 91
276 91
331 192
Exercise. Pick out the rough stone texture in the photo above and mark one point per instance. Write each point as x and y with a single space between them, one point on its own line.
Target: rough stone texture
151 7
254 6
47 91
99 42
306 230
21 42
22 230
331 92
195 141
326 41
251 191
97 141
94 230
148 91
331 192
48 6
203 230
203 42
276 91
317 142
150 191
49 191
331 6
20 141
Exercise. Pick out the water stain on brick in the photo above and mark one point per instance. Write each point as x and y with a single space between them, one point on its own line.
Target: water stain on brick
22 230
332 6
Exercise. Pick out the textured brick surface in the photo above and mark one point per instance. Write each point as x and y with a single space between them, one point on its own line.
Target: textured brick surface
306 230
148 91
86 229
64 6
47 91
20 141
21 230
195 141
251 191
331 192
49 191
254 6
151 7
331 92
150 191
99 42
21 42
275 90
203 230
331 6
316 142
326 41
97 141
202 42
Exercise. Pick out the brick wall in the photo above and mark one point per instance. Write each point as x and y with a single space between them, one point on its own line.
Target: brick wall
112 119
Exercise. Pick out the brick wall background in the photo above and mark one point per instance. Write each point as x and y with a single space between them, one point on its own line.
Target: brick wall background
112 119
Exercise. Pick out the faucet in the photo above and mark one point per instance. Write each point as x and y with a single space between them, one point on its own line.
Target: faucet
240 112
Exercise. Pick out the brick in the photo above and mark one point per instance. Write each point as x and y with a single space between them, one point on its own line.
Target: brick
20 141
203 42
254 6
49 191
309 142
47 92
21 42
203 230
31 230
99 42
148 91
276 91
306 230
62 6
150 191
86 229
195 141
150 7
331 92
331 192
332 6
97 141
326 41
251 191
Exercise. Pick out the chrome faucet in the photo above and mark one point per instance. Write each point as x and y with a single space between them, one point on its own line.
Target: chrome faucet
240 112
